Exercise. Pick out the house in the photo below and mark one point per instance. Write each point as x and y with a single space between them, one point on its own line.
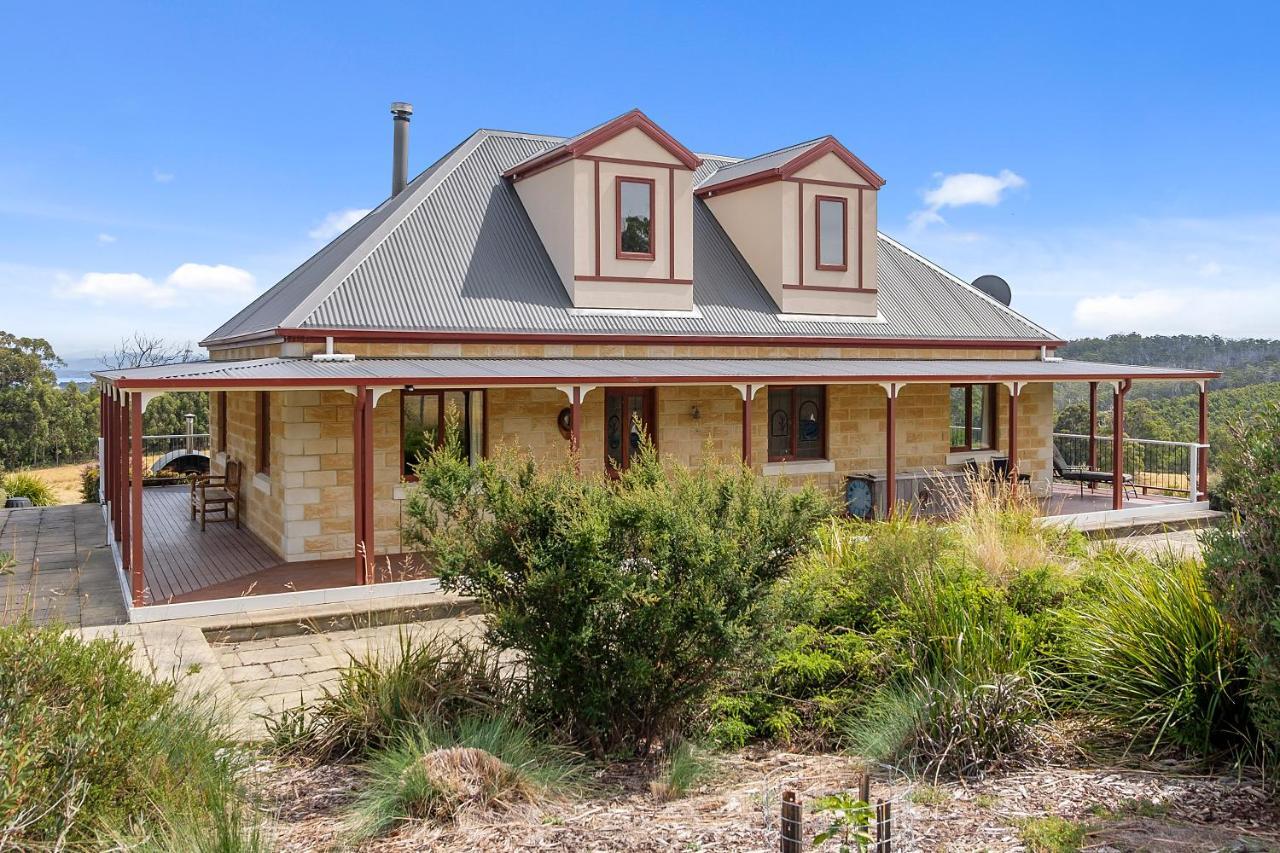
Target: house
567 292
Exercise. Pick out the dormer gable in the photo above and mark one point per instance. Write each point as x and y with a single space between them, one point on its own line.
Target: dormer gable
804 218
614 209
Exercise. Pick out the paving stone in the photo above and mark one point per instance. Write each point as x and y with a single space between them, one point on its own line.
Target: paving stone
254 672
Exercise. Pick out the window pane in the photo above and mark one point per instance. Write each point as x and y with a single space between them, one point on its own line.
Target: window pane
636 424
831 231
636 217
779 423
809 422
420 424
981 417
958 415
613 429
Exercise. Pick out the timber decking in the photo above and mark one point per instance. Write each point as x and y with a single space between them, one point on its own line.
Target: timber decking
182 563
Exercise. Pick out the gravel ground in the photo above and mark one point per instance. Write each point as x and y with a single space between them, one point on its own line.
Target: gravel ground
1120 809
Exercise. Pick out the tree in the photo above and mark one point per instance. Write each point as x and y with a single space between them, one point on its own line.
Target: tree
165 415
28 394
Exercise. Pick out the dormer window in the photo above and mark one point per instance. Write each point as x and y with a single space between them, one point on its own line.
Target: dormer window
635 205
832 231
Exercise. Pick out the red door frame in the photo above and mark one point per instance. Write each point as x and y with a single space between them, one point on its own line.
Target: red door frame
648 413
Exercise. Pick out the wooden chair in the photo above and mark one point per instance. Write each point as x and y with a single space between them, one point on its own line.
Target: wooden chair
217 493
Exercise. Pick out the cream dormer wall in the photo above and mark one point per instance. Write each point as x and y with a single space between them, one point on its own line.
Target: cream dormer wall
773 222
573 205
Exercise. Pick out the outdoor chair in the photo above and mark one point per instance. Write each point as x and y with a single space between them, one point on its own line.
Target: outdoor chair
211 493
1081 475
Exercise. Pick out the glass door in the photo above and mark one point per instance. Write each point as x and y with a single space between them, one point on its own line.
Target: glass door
628 414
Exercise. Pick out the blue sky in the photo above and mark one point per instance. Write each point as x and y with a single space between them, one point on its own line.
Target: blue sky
161 163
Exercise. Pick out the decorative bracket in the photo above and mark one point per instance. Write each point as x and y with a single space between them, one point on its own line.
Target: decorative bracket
891 388
583 390
742 390
1015 388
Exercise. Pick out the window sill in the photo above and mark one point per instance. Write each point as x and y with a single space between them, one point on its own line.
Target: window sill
262 483
959 457
799 467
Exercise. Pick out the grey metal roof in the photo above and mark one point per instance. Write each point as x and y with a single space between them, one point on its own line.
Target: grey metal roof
456 252
557 371
760 163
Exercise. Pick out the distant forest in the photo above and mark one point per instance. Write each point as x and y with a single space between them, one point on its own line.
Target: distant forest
1169 410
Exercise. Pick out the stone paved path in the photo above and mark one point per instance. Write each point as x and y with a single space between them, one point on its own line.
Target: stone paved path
271 674
1182 543
63 569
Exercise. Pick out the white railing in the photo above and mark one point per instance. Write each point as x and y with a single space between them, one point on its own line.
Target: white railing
1162 467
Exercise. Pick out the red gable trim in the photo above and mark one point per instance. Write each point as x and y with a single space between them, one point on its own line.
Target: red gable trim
829 146
603 134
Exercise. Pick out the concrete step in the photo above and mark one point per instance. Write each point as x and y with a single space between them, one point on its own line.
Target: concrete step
1119 529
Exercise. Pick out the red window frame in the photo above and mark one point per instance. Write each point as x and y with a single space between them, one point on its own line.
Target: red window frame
263 438
843 266
990 402
222 421
439 393
617 216
793 453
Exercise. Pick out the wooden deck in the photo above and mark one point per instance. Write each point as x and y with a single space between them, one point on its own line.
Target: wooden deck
182 563
1066 499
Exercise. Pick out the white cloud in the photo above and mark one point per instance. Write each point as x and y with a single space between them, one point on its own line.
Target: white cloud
161 177
106 239
217 283
215 280
115 287
336 222
1154 276
961 190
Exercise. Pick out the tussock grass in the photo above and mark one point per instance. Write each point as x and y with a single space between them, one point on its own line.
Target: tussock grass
377 696
683 767
434 772
1152 653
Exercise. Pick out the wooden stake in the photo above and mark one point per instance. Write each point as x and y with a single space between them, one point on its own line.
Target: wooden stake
792 835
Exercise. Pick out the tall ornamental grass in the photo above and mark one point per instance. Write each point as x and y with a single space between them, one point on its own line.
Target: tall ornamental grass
1151 653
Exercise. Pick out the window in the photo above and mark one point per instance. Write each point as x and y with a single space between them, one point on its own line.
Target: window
797 422
424 416
635 219
833 233
264 432
222 421
973 417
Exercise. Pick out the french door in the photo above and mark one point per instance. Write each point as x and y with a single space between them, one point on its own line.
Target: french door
628 414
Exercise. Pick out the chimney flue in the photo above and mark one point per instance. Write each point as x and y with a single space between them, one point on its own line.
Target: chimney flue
400 113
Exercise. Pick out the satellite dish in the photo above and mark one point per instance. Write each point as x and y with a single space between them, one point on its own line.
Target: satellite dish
995 287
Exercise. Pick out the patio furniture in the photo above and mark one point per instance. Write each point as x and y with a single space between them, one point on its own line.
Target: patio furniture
1081 475
212 493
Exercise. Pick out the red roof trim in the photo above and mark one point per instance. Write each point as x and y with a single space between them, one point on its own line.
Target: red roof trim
489 380
830 145
601 135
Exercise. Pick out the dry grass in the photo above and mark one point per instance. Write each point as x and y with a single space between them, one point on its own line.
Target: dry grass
63 479
997 528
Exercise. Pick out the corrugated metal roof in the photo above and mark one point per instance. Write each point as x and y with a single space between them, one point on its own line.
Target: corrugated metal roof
760 163
554 371
456 252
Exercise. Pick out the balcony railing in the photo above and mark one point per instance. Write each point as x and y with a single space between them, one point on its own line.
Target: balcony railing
157 447
1159 467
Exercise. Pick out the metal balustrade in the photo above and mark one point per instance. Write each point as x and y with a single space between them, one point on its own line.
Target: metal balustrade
1160 467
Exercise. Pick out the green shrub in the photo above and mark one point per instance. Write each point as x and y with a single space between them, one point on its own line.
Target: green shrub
1243 560
23 484
89 484
380 695
433 772
627 600
1151 653
1052 834
92 750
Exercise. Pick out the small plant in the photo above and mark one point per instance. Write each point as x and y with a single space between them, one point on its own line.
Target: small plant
684 766
7 563
23 484
433 772
929 795
1051 834
289 732
850 821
